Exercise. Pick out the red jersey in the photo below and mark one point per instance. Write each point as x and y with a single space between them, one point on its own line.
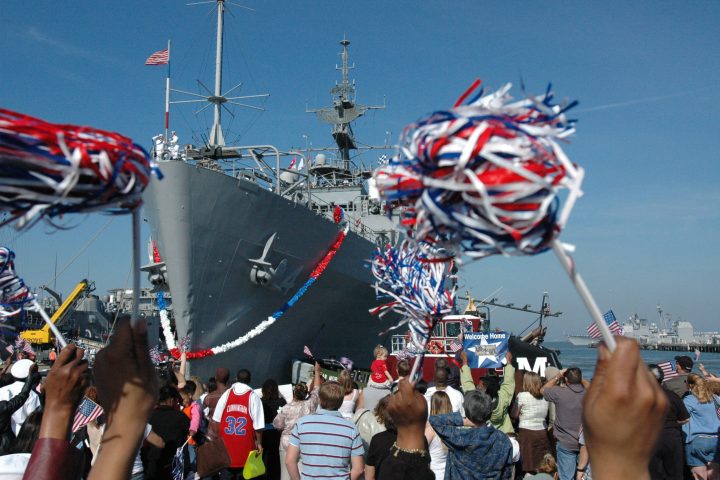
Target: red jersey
236 428
378 368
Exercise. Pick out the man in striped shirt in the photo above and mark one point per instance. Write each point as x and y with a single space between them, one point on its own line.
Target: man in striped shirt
328 445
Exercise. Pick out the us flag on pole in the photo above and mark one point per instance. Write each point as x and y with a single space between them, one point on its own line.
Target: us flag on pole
611 322
668 369
158 58
86 413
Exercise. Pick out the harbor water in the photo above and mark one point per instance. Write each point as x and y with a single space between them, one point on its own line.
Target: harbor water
585 358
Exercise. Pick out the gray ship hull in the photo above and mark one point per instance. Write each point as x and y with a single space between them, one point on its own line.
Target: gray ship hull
209 225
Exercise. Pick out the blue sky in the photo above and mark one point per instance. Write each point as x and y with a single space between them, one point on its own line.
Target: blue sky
645 74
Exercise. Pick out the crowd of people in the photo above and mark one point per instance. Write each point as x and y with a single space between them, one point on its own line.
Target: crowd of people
158 424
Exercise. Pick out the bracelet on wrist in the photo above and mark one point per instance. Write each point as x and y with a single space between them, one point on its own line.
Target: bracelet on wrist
581 469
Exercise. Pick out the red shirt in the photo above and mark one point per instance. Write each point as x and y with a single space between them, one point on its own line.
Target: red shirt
236 428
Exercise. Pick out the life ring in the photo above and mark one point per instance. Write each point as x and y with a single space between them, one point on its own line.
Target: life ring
434 347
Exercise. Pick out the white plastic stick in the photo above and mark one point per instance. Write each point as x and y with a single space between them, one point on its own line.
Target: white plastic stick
58 336
567 262
416 365
136 266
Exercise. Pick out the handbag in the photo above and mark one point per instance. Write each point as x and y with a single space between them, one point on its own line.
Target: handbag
212 457
254 466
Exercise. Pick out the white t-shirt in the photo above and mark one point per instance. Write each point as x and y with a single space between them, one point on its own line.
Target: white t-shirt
255 408
31 404
137 464
456 398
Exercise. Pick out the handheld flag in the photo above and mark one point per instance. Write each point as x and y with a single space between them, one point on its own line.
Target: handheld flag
668 369
86 413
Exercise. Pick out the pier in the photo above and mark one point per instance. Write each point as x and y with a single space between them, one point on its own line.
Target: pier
678 347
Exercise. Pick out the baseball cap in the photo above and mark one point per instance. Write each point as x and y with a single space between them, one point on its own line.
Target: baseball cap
684 361
21 368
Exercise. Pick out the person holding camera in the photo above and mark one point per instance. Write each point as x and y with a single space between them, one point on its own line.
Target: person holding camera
568 400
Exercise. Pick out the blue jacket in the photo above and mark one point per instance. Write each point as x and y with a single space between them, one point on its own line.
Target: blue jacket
473 452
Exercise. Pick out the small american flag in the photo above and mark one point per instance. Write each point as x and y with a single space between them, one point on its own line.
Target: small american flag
159 58
86 413
455 345
668 369
611 322
23 345
307 352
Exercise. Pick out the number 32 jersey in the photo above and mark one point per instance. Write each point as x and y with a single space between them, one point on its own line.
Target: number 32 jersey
241 413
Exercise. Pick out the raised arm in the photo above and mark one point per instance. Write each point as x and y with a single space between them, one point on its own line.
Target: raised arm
466 381
127 391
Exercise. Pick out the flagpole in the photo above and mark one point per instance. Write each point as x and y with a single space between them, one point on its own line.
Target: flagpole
167 98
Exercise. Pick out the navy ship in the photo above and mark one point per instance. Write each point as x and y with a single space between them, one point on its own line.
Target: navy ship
240 228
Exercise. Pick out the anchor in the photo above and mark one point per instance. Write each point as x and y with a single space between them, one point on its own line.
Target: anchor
262 271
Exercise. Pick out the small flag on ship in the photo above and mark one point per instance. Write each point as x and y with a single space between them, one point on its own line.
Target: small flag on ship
611 322
307 352
86 413
159 58
668 369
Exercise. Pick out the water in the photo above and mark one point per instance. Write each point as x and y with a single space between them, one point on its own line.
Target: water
585 358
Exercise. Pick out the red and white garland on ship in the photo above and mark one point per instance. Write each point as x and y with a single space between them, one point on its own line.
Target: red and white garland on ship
175 351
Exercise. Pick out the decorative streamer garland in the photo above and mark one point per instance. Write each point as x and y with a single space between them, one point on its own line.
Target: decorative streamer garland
339 217
47 169
483 178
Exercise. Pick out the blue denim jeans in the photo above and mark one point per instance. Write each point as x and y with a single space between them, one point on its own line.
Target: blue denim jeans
566 462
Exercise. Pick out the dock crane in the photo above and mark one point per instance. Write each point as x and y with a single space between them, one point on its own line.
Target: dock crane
42 336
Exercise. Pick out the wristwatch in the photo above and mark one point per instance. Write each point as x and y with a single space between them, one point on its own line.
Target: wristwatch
581 469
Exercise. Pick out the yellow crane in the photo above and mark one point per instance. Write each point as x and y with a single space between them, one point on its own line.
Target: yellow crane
42 335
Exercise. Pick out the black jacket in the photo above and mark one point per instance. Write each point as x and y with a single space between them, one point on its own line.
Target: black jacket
7 408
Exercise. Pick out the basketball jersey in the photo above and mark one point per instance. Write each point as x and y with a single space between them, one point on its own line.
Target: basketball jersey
236 428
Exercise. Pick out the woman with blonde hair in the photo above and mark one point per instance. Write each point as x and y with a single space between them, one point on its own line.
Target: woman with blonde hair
532 428
701 432
439 404
351 395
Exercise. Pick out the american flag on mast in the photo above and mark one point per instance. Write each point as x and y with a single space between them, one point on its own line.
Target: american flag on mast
611 322
159 58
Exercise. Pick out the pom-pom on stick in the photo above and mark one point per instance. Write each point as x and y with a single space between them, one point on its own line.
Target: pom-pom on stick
16 295
415 285
47 169
483 178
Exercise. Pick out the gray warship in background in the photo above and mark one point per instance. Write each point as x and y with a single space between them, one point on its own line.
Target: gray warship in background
239 231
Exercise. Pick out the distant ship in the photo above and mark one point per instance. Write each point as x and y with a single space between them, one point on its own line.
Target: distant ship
239 231
582 340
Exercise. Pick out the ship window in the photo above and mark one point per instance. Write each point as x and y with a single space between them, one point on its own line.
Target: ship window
438 330
452 329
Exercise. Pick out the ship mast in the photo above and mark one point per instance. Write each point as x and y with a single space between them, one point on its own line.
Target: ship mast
344 110
217 98
216 135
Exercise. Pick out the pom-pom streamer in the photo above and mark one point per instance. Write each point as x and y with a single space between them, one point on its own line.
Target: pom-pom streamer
415 286
483 178
47 169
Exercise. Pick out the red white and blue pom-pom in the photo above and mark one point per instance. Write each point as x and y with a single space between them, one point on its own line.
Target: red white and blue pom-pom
47 169
483 177
14 294
415 287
